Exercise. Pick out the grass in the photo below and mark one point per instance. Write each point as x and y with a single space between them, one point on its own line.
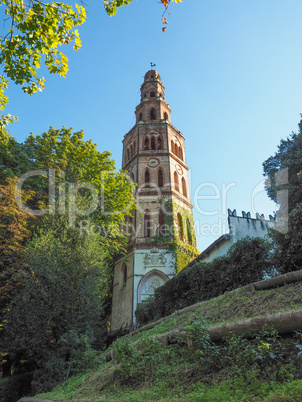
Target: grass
267 368
235 306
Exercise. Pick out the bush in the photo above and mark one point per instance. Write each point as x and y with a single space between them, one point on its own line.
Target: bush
15 387
246 262
287 256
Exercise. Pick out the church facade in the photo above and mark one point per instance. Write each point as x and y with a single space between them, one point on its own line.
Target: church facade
161 235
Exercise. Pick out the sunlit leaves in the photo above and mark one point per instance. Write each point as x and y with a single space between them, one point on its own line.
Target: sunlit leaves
37 31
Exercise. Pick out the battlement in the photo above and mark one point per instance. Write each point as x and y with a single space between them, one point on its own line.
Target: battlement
247 215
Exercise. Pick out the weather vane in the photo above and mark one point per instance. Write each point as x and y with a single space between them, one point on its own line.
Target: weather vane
152 65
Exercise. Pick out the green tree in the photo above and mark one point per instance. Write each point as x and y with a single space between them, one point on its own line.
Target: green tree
77 161
283 176
283 171
14 231
287 246
61 299
13 161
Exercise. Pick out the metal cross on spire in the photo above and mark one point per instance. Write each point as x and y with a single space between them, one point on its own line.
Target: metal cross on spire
152 65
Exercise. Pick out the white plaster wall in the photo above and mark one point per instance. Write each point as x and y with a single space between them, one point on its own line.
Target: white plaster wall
140 271
218 251
240 227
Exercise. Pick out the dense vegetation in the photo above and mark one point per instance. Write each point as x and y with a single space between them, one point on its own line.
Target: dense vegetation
56 249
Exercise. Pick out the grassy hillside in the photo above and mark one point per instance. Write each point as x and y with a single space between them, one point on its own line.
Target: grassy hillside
266 367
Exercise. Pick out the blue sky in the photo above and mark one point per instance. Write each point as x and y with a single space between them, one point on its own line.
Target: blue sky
233 77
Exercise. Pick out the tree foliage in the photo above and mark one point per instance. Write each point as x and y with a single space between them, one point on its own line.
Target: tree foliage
36 32
62 267
14 231
287 247
288 156
61 299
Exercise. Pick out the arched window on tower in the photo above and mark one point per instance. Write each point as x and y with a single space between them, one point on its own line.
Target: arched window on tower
159 143
161 224
131 150
147 178
140 117
189 232
165 116
172 147
146 146
180 153
153 143
180 227
176 183
128 153
152 94
160 178
124 273
184 186
152 115
176 149
147 224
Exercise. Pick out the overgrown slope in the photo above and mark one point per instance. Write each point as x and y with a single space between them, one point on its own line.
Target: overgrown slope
266 367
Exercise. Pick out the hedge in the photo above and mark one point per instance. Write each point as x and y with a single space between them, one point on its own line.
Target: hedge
245 262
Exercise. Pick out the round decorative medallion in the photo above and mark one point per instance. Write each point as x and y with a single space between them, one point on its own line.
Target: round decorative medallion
153 162
178 169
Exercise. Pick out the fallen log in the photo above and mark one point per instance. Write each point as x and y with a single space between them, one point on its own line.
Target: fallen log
285 323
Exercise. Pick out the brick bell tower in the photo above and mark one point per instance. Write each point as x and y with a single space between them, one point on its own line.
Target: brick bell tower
154 156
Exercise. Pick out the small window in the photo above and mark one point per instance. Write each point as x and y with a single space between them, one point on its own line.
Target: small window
152 94
146 144
165 116
172 147
176 184
140 116
152 115
153 143
176 150
159 144
184 186
131 150
128 154
134 146
160 178
147 224
147 178
180 153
